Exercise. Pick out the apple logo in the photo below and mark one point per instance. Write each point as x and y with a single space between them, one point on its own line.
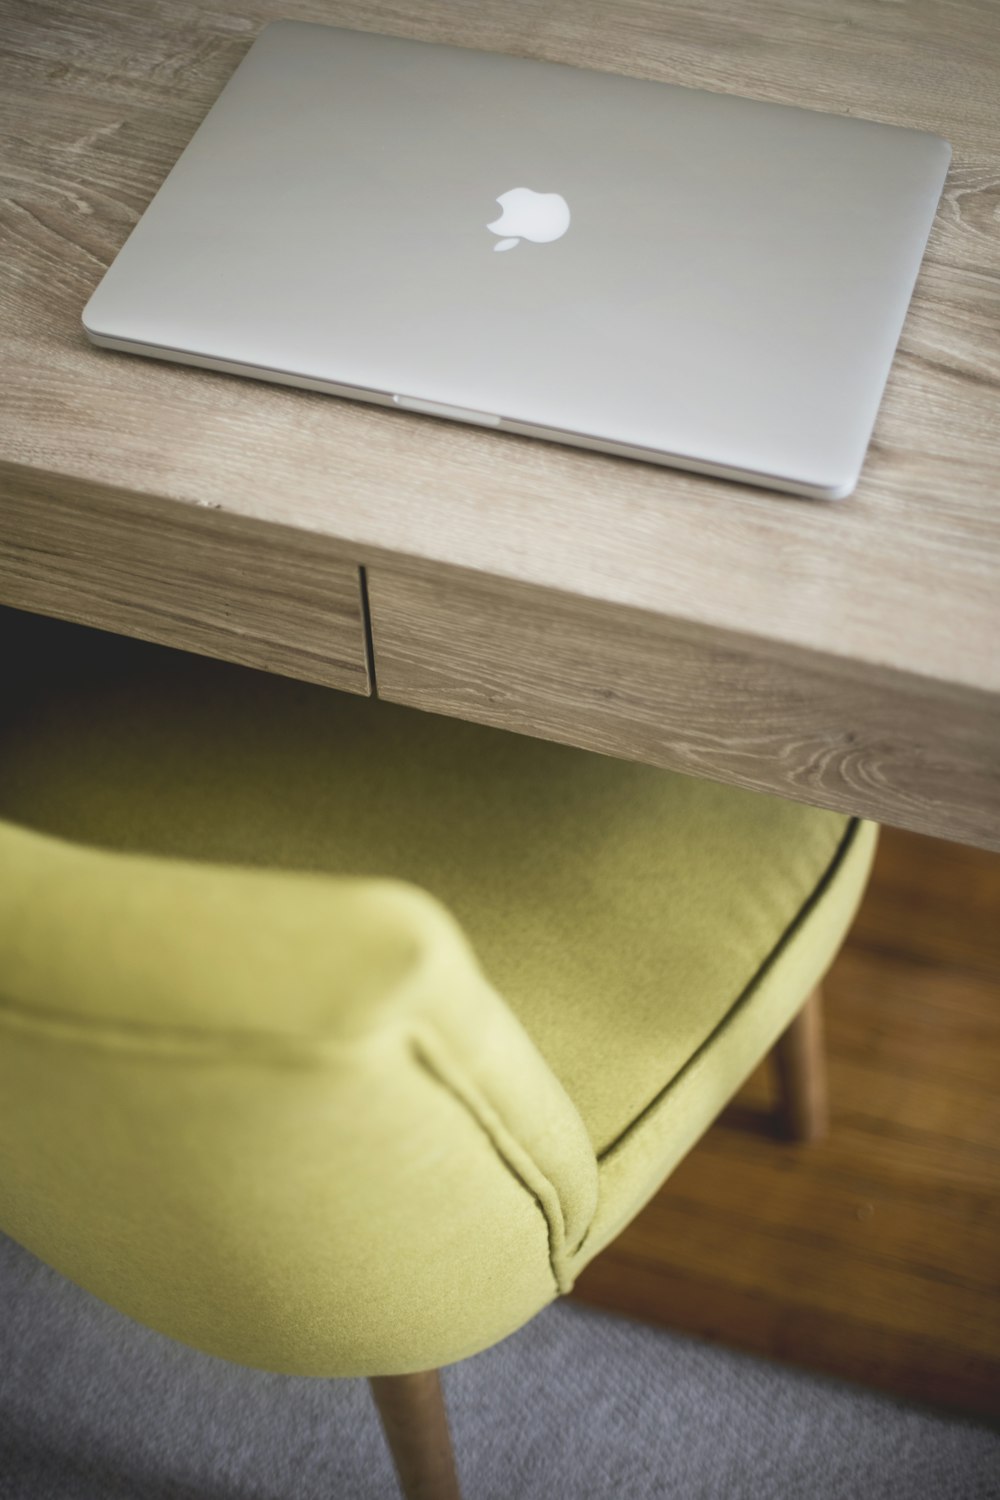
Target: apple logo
530 216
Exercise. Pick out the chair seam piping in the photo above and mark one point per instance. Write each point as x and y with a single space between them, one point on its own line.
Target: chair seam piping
433 1056
803 911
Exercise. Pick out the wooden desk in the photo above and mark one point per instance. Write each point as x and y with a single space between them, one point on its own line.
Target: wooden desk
844 654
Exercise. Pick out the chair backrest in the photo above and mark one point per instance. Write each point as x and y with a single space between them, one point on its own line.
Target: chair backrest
283 1118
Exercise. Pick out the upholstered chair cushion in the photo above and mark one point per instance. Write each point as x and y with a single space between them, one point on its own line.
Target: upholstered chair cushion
334 1036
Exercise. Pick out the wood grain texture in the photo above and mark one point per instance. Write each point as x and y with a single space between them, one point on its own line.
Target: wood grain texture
415 1421
890 746
799 1061
934 903
875 1254
183 577
96 105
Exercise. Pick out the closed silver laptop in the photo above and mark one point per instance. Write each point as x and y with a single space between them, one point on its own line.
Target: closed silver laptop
689 278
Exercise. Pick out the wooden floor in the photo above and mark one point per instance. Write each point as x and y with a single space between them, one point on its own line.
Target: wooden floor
874 1255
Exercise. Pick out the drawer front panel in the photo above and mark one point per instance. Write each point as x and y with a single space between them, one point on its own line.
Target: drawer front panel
900 750
198 579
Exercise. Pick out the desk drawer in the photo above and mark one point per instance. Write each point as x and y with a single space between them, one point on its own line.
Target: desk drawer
863 740
199 579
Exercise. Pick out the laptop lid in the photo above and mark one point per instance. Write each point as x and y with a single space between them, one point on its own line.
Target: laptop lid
687 277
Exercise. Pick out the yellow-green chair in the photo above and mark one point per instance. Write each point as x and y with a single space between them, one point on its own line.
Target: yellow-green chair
335 1038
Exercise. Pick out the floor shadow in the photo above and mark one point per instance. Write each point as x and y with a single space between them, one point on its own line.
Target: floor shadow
749 1119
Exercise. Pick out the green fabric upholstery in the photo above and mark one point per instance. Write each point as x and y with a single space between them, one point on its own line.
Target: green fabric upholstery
335 1037
269 1114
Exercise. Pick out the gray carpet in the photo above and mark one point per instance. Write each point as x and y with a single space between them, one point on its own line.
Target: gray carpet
580 1405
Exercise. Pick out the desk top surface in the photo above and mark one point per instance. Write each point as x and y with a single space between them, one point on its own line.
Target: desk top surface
95 107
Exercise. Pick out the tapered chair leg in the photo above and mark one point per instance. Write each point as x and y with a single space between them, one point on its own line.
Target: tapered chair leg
416 1428
800 1063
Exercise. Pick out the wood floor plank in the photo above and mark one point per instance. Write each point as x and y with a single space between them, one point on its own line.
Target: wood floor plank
851 1213
874 1255
905 1365
933 901
808 1268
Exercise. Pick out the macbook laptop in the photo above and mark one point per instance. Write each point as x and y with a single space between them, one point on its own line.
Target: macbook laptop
685 277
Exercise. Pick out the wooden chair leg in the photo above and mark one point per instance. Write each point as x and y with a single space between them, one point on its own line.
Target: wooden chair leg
800 1063
416 1428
